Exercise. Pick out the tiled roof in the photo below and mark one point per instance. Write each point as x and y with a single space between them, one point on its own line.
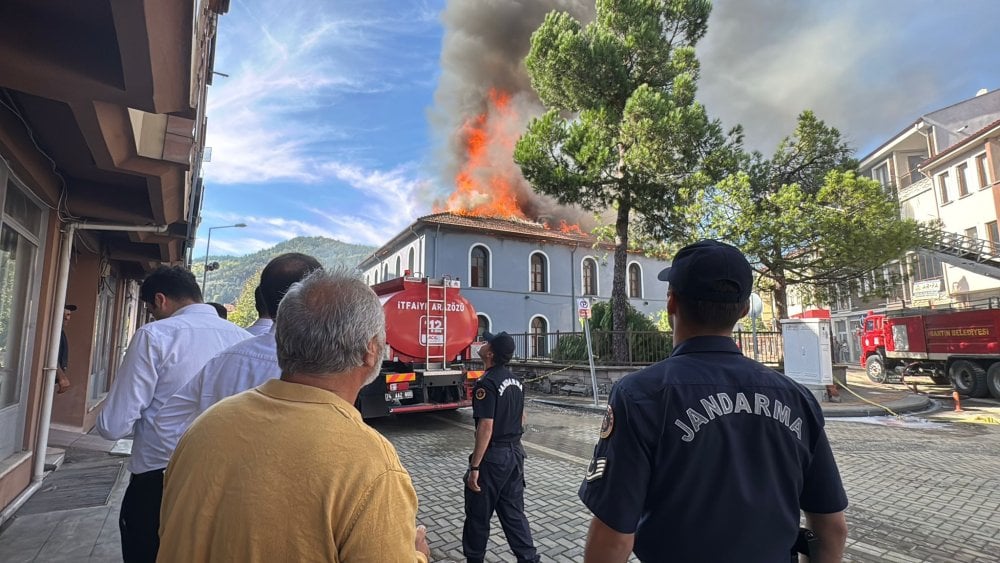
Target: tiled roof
517 227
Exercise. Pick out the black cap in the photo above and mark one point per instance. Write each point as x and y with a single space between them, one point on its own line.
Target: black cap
697 267
70 307
501 343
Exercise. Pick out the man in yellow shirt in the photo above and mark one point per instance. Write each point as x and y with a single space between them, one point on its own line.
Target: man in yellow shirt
288 471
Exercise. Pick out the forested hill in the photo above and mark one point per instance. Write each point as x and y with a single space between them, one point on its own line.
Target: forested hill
226 283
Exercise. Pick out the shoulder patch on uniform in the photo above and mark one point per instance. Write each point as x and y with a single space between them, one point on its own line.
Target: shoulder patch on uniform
608 424
596 469
480 394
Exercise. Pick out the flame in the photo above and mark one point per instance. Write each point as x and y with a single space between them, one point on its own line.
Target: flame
572 229
481 186
489 182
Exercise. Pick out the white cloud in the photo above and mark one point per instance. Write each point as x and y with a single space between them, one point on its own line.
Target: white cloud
285 63
391 203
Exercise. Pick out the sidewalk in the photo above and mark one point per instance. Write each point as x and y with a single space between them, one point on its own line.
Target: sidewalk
860 398
74 517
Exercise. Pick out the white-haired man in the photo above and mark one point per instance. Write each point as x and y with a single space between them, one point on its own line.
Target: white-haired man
288 471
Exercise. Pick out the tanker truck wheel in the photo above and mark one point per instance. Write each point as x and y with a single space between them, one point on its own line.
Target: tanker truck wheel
993 380
969 378
875 369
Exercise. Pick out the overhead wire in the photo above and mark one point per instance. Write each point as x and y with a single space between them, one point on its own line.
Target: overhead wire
62 207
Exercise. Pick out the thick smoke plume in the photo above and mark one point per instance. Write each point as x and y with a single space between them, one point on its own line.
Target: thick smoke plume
485 42
867 68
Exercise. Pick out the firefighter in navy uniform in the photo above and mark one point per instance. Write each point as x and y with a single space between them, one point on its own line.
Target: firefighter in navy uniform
708 455
495 477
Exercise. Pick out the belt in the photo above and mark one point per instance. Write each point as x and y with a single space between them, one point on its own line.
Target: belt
148 475
505 443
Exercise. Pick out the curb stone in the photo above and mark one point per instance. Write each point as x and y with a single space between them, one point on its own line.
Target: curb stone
900 406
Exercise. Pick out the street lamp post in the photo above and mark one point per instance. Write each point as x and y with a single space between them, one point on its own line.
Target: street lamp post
208 246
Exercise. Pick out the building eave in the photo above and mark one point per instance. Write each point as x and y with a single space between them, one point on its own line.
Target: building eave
945 157
102 107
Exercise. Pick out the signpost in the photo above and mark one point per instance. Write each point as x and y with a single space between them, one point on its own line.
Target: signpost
583 311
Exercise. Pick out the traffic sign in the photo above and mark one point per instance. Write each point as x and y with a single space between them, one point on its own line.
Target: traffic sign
583 308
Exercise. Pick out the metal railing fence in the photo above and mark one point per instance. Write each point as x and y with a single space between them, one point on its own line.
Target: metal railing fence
644 347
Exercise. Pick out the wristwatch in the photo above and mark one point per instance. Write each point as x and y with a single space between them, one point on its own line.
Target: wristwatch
473 468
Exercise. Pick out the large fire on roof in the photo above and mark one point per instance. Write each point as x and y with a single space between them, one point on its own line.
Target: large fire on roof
483 186
488 182
482 105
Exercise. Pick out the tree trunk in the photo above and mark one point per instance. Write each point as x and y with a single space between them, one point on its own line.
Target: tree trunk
780 295
619 300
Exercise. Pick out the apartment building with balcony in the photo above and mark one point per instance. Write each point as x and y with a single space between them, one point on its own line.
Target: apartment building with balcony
942 168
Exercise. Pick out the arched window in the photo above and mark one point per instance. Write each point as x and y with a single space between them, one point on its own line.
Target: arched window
539 337
484 325
479 266
399 266
385 272
409 263
589 276
635 280
376 275
539 280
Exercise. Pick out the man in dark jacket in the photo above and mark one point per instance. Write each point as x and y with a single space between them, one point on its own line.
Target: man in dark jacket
62 379
709 455
495 479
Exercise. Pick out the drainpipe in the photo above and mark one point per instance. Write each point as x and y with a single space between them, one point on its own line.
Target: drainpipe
572 285
436 235
52 357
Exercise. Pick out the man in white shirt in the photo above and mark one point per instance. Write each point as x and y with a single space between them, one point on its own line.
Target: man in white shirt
264 319
243 366
162 356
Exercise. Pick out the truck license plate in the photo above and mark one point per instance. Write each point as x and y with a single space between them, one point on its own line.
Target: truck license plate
399 395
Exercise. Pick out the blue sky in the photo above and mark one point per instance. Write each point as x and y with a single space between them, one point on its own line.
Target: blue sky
323 126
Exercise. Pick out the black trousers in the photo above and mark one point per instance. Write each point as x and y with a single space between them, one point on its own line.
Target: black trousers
139 520
501 484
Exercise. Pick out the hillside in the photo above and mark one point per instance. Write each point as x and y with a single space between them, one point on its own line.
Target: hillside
225 284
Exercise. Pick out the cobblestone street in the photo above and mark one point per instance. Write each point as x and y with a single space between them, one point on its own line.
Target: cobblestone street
922 488
920 491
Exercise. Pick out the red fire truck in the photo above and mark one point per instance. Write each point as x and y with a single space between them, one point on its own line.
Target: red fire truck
961 347
430 329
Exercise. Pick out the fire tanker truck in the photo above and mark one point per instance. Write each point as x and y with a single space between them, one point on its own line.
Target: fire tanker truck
430 329
961 347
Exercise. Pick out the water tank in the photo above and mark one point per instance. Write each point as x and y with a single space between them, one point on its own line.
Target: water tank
411 330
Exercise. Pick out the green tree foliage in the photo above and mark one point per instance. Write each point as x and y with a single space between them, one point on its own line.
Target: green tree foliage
623 129
807 219
226 284
245 313
646 342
